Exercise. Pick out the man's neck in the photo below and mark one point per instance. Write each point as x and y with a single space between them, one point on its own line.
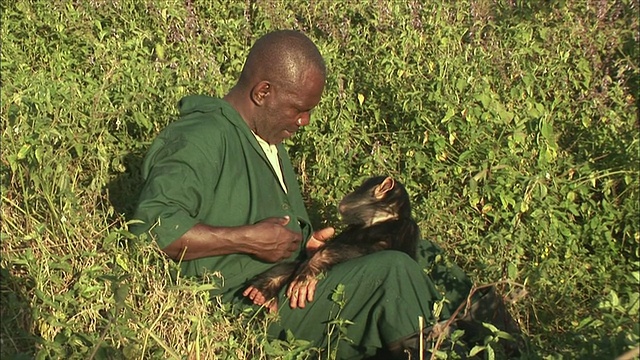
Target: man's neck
235 98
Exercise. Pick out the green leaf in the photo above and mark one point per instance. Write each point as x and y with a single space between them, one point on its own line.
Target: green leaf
88 291
476 349
448 115
24 151
490 326
206 287
615 301
39 155
159 49
122 262
79 148
120 295
491 355
505 335
338 294
505 116
512 271
485 99
546 129
634 304
543 190
461 84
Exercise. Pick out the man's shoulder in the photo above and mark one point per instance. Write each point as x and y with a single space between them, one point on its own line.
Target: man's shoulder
198 103
203 117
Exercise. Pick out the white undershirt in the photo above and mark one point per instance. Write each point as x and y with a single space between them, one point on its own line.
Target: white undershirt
272 154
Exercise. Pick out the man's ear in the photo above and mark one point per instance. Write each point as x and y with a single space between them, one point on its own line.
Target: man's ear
260 92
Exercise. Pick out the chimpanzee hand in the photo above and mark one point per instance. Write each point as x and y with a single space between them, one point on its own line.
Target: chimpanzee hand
318 239
303 287
301 290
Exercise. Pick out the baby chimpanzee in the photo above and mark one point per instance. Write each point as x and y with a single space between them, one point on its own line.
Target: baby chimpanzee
378 215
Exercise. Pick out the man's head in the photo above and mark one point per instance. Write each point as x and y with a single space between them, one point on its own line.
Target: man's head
281 82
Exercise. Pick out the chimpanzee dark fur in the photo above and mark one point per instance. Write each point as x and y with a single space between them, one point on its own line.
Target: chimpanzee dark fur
378 215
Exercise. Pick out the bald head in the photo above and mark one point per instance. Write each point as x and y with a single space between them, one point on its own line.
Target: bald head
281 82
281 56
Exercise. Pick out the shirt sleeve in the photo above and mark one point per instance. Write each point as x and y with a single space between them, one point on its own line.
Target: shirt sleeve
177 174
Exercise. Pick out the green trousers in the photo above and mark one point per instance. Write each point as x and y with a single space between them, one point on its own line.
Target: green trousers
384 294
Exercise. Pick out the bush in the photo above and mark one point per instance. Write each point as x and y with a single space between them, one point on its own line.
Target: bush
514 126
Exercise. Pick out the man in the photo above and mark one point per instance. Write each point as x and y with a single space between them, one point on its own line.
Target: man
220 194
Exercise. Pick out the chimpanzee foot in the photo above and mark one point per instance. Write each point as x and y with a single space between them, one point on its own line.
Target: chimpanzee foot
258 298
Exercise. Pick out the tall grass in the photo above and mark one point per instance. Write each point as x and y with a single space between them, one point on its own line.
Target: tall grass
513 124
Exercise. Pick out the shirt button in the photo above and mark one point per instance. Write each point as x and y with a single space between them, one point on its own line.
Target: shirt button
285 206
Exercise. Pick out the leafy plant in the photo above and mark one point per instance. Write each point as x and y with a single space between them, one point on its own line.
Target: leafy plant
513 124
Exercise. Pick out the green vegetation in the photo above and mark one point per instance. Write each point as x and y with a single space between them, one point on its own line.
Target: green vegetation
514 125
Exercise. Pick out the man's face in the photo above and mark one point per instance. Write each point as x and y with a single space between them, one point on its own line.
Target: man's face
288 107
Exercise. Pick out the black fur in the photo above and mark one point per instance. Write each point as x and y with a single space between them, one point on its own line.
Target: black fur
378 215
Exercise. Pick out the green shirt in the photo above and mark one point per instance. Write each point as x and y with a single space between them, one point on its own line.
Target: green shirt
207 167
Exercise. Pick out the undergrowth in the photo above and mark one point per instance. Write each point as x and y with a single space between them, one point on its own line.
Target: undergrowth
513 124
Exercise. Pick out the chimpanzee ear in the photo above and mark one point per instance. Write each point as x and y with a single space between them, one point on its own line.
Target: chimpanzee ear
386 185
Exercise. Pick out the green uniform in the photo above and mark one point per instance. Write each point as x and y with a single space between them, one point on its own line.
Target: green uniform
208 168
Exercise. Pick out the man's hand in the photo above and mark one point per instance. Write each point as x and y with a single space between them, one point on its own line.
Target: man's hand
318 239
273 241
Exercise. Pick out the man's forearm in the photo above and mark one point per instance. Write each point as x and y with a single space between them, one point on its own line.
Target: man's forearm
204 240
267 240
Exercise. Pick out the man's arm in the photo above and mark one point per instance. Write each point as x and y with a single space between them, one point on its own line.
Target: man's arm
179 175
268 240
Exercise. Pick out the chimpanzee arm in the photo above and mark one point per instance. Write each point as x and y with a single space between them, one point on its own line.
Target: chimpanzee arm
332 254
302 287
